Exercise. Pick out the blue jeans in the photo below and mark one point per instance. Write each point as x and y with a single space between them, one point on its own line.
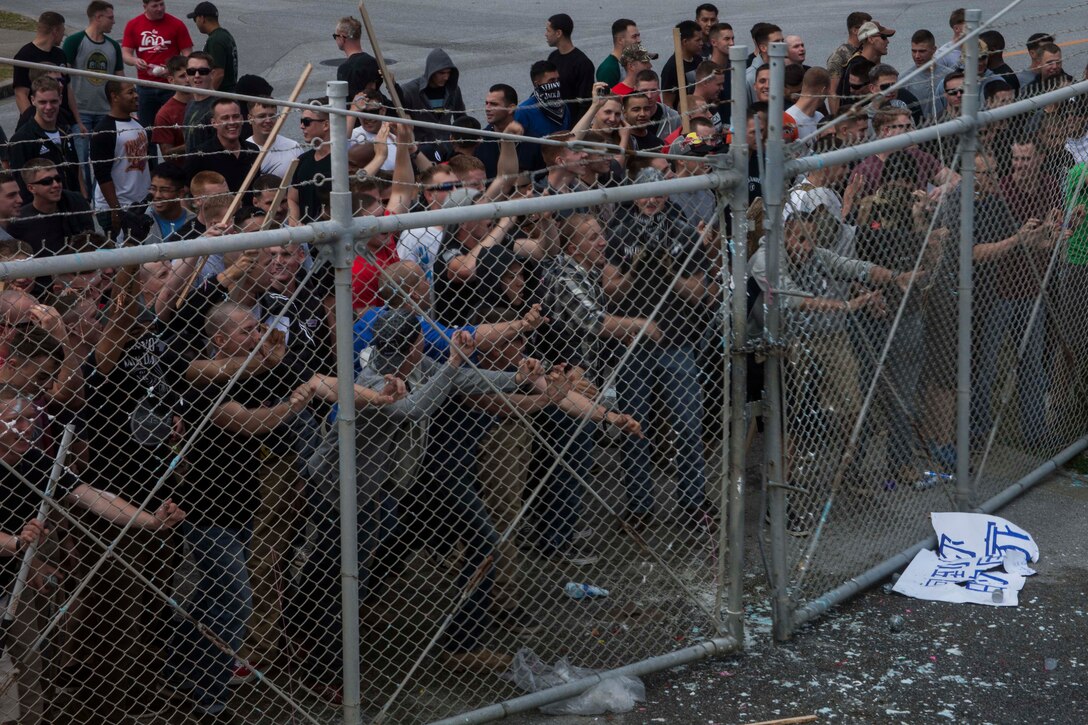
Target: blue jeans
83 148
561 499
675 372
222 601
1007 318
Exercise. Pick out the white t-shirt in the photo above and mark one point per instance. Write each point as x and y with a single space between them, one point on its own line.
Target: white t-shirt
806 125
130 173
280 156
420 246
361 135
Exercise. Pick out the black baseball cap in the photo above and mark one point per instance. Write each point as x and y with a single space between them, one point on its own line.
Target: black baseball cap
204 9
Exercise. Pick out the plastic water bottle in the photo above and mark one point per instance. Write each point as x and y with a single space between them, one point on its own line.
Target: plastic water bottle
576 590
931 478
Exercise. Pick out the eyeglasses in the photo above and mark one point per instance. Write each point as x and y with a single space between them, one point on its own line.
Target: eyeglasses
305 122
47 181
954 92
198 71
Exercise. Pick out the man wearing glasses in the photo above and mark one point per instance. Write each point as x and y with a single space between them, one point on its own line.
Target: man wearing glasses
874 46
54 213
41 137
197 114
168 186
304 198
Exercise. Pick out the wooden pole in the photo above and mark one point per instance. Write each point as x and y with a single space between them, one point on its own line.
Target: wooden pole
390 83
681 83
281 192
253 171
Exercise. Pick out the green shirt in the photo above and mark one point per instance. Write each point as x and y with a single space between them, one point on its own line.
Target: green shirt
85 54
222 48
1076 192
609 71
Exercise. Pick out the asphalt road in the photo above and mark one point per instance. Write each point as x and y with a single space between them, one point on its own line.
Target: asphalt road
950 663
496 42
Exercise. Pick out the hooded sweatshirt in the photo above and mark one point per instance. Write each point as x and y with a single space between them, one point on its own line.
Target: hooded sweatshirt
445 109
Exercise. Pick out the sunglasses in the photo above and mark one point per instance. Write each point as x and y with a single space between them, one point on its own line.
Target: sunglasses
857 86
885 86
955 92
305 122
47 181
338 35
198 71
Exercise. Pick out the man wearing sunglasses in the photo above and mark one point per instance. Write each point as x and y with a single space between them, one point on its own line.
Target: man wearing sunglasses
303 198
874 46
197 127
54 213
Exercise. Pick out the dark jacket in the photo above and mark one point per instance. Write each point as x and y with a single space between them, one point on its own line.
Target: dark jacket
416 102
30 142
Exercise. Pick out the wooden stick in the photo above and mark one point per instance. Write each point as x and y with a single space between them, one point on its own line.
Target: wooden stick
281 192
789 720
681 83
390 83
250 176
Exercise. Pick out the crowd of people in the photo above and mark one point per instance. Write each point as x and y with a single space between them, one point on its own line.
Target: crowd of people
201 391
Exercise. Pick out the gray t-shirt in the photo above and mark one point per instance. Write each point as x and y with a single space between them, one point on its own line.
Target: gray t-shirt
85 54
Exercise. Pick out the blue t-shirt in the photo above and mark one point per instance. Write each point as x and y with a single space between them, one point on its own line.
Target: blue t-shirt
168 227
436 336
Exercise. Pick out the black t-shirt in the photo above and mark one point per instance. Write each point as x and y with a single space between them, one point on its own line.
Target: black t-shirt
65 119
652 250
185 330
129 417
668 76
213 157
20 77
46 234
221 484
20 504
455 301
576 75
647 142
359 70
304 322
308 169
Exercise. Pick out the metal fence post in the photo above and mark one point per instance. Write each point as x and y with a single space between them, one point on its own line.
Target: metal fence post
968 148
738 380
342 257
774 187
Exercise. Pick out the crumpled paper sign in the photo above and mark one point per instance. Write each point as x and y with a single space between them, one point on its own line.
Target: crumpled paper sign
980 559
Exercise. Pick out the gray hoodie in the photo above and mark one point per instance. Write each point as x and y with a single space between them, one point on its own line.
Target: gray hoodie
418 104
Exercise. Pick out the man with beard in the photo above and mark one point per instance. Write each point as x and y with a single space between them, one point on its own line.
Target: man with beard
544 112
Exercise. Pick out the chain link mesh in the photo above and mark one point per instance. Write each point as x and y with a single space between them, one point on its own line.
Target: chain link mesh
869 298
538 408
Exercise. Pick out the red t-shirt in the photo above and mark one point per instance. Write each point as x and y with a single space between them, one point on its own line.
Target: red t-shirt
156 41
365 276
168 123
622 89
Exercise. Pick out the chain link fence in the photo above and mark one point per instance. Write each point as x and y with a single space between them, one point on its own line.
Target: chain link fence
907 387
365 445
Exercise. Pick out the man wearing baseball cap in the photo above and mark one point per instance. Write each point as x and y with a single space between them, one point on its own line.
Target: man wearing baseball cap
633 59
220 46
873 38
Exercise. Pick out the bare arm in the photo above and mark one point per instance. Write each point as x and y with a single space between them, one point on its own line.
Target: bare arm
463 266
117 510
128 55
586 120
22 99
404 178
235 418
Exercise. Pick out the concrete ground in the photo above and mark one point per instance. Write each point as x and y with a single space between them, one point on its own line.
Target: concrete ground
949 663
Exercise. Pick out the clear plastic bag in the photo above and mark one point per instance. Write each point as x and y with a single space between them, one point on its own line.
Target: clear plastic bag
614 694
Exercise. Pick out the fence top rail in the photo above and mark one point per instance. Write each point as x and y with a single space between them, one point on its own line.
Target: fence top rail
577 144
319 233
947 129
